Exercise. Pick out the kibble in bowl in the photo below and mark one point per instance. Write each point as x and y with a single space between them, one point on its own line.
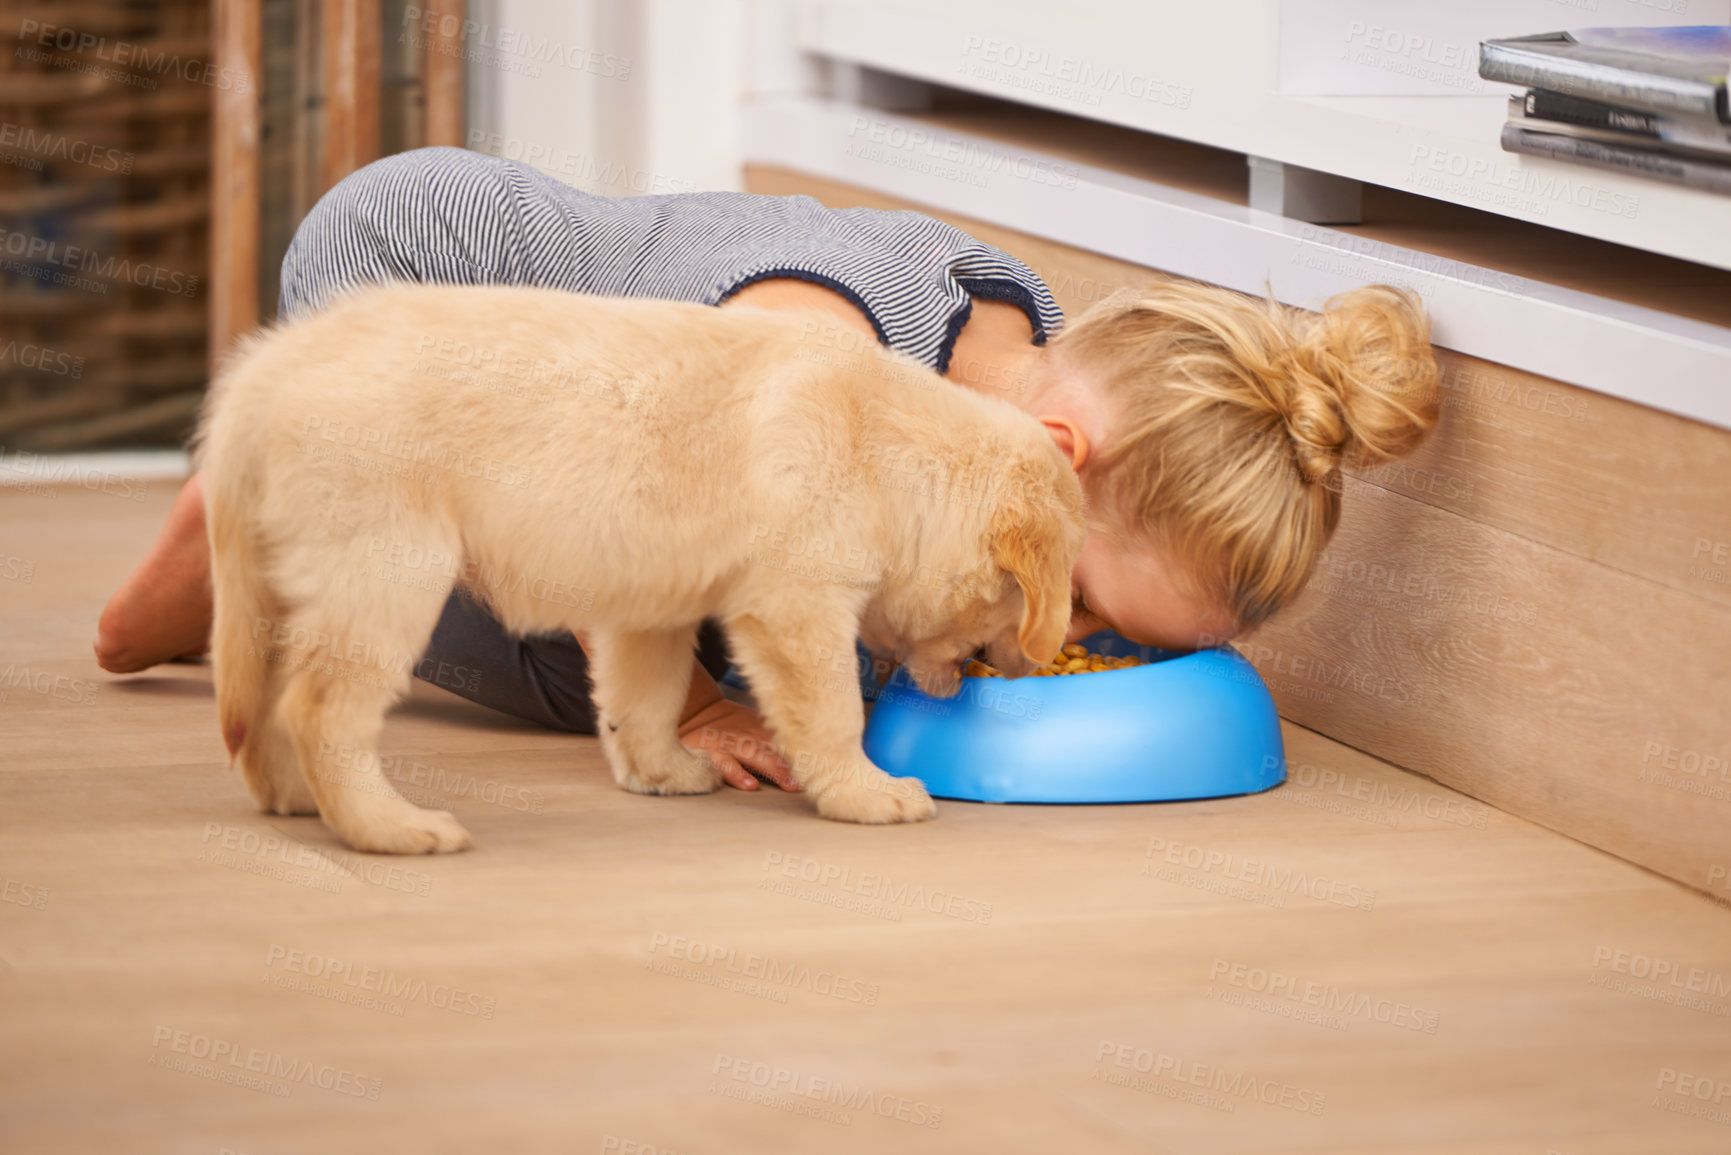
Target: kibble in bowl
1163 726
1074 659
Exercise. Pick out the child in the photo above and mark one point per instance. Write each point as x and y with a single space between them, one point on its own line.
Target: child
1208 428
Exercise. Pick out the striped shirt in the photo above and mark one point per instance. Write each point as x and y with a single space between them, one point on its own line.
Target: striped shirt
450 216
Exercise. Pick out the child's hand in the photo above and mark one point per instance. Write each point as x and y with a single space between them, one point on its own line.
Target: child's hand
738 741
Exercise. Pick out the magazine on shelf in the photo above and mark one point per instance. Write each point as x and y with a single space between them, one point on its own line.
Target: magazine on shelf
1531 113
1707 175
1674 71
1684 132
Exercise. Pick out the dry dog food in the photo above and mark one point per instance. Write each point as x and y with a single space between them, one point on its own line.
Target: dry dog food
1075 659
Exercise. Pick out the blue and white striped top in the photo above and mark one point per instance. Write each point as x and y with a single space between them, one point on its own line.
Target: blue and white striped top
451 216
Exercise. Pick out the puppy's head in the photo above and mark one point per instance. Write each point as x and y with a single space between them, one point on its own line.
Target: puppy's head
1008 591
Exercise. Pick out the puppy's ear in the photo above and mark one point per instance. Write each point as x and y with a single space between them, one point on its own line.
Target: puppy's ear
1036 543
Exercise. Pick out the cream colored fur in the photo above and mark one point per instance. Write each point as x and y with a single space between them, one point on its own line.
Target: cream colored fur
622 468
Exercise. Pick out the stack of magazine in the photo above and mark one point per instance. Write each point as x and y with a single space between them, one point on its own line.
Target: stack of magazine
1644 101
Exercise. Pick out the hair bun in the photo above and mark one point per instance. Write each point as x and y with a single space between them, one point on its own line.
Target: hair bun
1360 381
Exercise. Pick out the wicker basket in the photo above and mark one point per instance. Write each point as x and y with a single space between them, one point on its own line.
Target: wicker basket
113 294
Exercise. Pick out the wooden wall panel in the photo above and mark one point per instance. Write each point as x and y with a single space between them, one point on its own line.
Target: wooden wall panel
352 33
234 207
1533 608
1642 491
444 74
1570 693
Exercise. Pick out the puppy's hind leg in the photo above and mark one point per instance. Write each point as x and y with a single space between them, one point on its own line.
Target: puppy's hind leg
640 683
249 673
335 723
367 633
268 760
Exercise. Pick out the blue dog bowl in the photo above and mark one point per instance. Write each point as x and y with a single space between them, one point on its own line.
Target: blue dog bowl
1198 725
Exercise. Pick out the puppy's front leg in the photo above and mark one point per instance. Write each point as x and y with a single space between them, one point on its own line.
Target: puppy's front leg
641 681
801 668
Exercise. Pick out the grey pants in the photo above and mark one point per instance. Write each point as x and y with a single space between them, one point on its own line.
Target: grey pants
543 678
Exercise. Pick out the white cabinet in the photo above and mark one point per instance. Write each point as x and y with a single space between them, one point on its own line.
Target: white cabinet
1381 92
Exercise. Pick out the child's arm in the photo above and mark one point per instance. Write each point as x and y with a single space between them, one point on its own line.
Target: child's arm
733 733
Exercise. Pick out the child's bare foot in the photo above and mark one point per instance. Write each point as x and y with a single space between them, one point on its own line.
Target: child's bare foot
163 610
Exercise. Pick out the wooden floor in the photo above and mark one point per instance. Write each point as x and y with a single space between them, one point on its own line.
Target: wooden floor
1360 961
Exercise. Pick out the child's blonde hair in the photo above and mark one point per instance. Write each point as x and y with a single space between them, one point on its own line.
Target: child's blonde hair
1231 419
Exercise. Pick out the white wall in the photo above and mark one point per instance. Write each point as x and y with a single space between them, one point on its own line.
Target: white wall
618 97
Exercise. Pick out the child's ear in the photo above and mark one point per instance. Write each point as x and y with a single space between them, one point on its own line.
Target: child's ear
1028 540
1070 439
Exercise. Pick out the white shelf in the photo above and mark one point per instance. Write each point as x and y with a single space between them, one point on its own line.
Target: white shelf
108 471
1211 73
1622 350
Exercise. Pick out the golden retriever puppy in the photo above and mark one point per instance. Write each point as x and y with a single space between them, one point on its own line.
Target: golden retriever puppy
620 468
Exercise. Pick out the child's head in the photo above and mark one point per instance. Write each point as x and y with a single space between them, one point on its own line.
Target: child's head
1227 420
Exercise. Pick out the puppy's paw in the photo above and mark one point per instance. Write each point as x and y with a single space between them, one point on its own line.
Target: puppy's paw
879 801
277 795
290 804
272 773
287 796
680 771
413 831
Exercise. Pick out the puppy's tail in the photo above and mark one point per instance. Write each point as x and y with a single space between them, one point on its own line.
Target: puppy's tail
240 631
241 625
